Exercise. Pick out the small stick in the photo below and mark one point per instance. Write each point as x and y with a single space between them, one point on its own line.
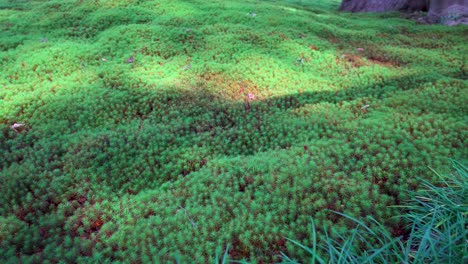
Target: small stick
186 215
15 126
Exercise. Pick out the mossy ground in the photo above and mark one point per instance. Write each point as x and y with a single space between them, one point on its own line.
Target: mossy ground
156 127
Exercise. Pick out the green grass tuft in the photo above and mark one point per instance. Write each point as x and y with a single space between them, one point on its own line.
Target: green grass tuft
437 219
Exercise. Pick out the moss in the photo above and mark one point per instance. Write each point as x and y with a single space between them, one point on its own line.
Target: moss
157 127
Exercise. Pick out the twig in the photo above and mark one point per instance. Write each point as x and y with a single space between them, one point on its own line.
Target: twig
194 225
15 126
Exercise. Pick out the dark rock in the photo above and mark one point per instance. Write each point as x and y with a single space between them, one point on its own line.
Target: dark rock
383 5
447 12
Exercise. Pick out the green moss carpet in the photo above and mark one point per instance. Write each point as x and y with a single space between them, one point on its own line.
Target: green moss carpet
146 129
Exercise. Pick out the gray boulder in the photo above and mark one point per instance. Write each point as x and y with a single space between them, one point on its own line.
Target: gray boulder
449 12
383 5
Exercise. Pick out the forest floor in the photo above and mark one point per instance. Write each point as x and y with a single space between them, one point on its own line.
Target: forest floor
134 130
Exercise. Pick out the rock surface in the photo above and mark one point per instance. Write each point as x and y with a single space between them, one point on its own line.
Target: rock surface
383 5
447 12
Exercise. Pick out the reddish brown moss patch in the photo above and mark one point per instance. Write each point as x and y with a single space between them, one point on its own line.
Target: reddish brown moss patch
229 89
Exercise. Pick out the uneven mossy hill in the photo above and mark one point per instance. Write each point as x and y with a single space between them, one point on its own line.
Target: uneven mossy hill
153 127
